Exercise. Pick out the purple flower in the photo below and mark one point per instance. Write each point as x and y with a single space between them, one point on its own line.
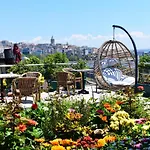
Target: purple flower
138 145
144 140
100 111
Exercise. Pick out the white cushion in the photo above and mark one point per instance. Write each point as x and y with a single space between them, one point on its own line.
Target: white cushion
114 76
114 73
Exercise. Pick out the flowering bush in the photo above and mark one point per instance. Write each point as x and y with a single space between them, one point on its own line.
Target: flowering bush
114 122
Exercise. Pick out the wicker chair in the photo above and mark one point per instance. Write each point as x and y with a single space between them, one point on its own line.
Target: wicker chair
114 67
66 80
26 86
77 79
34 74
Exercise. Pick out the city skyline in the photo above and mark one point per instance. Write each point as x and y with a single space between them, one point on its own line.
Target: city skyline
76 22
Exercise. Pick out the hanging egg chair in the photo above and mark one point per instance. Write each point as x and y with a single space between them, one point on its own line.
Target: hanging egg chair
114 67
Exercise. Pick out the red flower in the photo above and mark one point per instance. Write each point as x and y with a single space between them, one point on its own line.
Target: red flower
21 127
34 106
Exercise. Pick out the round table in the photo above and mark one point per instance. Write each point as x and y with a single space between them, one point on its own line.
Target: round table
82 91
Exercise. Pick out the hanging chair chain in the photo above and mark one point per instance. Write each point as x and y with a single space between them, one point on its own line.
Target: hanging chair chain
113 33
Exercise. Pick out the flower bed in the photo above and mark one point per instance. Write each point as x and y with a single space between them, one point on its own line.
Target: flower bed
118 122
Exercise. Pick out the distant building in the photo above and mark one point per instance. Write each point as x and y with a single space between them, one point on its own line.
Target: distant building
52 41
25 51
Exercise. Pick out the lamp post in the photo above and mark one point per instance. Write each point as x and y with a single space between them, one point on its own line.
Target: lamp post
135 52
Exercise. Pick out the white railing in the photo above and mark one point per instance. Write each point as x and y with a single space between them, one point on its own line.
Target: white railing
67 64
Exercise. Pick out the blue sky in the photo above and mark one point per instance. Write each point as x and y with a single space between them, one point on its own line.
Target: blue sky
79 22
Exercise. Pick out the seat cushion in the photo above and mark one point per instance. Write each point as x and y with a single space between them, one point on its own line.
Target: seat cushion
112 73
114 76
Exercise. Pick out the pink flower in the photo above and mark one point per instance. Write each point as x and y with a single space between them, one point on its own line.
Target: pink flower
138 145
140 121
71 110
140 88
16 115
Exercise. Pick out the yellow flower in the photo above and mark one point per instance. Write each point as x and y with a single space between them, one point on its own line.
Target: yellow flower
145 127
70 116
57 148
135 128
100 143
46 144
68 148
130 122
117 107
39 140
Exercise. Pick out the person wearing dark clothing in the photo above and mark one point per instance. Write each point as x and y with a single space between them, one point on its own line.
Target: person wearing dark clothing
17 54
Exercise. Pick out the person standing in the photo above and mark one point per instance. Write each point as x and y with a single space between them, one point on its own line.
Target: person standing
17 54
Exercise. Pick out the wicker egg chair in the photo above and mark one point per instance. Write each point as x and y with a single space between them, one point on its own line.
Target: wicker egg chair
114 67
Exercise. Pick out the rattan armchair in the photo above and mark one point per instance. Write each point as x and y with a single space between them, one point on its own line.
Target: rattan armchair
78 79
34 74
66 80
26 86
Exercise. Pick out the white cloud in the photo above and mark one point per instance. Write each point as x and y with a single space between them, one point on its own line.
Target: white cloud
37 39
141 39
138 34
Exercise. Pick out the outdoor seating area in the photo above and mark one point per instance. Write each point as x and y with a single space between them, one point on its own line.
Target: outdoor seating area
108 111
103 118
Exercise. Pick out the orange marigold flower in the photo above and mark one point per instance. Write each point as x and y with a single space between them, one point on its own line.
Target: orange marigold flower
119 102
21 127
57 148
32 122
109 138
66 142
107 105
112 110
100 143
108 108
41 140
78 116
56 141
104 118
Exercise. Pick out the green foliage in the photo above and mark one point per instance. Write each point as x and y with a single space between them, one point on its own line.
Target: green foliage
50 66
81 64
23 67
145 58
15 132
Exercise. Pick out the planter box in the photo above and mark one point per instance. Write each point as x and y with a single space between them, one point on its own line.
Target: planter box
53 85
146 89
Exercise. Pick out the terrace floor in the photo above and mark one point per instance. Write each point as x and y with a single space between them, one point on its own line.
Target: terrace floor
46 97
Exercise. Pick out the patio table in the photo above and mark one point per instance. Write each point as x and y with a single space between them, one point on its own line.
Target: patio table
6 76
82 91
